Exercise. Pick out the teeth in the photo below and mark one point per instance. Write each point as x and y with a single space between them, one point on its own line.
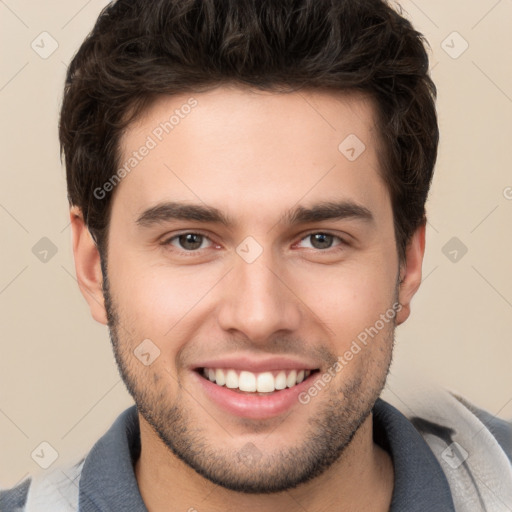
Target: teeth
280 380
231 379
291 380
220 378
265 382
247 381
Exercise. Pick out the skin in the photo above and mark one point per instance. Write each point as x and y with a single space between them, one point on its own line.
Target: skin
254 155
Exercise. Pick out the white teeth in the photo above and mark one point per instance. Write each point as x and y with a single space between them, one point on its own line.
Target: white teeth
231 379
247 381
291 380
280 380
264 382
220 378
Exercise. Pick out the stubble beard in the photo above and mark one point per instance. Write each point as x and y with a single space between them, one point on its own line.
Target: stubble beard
250 469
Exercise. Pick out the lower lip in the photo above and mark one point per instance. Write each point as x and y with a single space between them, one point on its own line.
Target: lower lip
254 406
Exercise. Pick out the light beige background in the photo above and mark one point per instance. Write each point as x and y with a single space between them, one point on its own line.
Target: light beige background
58 379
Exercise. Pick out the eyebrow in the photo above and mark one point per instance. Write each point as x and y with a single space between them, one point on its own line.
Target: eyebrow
328 211
331 210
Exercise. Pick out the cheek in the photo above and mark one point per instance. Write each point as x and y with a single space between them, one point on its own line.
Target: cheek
348 298
157 300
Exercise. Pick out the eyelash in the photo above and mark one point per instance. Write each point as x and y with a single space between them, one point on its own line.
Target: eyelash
342 243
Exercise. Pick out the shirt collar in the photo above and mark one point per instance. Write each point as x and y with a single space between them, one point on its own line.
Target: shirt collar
108 480
420 483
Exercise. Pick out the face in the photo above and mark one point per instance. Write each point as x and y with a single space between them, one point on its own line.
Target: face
252 246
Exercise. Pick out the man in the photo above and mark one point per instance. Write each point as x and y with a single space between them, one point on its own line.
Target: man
247 182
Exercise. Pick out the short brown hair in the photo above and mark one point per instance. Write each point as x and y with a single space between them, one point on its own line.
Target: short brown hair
139 49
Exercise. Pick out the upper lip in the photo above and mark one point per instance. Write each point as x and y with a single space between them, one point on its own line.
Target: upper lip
257 365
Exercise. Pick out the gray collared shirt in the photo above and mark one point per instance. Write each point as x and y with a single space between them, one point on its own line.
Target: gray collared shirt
107 480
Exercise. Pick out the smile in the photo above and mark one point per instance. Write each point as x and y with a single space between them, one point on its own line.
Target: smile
256 395
249 382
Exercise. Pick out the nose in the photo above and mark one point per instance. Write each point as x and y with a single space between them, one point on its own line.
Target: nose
258 300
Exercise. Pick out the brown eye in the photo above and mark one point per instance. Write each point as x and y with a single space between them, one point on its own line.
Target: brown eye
188 241
322 241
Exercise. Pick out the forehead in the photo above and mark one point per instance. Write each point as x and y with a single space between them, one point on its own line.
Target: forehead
257 151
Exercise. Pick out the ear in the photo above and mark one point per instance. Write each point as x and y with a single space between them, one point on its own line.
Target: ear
88 266
410 273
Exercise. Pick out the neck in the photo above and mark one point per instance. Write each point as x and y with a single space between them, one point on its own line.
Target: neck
362 479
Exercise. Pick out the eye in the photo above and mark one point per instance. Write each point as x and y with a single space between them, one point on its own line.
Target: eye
189 242
322 241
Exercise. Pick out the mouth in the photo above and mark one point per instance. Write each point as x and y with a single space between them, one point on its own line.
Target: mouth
256 383
255 395
261 388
